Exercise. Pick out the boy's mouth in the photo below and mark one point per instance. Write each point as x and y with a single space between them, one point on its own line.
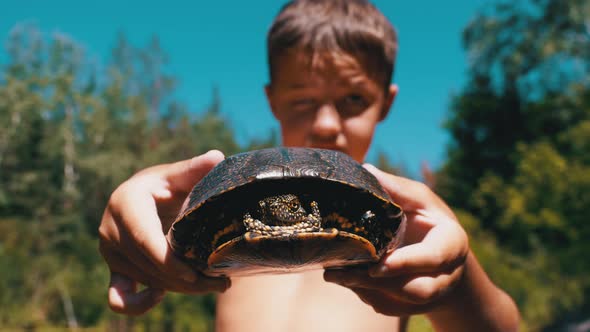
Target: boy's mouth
328 147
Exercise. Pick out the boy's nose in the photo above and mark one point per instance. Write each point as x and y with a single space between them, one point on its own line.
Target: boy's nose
327 122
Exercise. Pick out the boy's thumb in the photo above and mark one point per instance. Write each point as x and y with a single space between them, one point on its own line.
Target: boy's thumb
403 191
183 175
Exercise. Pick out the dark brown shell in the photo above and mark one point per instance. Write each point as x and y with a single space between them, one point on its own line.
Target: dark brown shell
343 189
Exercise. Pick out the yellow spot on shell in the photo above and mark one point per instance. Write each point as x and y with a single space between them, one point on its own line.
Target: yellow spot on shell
360 230
343 222
228 229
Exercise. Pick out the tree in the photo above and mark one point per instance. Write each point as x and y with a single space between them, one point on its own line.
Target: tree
72 132
518 170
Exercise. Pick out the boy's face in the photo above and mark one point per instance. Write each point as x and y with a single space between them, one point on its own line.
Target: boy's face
332 104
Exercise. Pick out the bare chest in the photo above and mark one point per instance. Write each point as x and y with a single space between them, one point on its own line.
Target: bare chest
299 302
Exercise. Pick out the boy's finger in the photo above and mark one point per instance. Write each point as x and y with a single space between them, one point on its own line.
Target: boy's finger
183 175
145 233
154 246
423 289
403 191
130 268
411 195
387 305
150 277
443 248
124 299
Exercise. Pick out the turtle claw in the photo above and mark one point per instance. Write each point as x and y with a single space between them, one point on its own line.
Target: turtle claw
368 218
249 236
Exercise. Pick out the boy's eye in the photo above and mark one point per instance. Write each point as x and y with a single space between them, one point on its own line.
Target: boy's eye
352 104
303 104
355 100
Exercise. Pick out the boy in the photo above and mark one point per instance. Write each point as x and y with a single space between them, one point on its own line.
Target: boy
331 64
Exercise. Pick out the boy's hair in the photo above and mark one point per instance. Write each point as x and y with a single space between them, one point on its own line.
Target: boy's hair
353 27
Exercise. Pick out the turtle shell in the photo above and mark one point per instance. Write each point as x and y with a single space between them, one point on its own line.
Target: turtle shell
358 221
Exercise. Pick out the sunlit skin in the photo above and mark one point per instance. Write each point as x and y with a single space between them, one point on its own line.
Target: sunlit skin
330 103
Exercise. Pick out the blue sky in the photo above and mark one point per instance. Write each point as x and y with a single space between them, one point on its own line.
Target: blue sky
222 44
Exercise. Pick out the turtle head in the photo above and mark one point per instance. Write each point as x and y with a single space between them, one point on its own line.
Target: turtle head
282 210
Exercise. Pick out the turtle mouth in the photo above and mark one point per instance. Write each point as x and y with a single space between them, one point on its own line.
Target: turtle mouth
285 220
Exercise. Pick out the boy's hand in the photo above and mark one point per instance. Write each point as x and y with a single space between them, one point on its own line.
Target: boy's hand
132 236
415 278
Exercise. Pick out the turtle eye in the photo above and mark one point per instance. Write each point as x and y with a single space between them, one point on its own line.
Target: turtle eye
293 206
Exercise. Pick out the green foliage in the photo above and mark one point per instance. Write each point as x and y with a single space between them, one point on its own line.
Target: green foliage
519 168
385 164
529 279
71 133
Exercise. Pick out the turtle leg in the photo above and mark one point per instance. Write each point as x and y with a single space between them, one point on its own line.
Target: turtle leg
368 224
315 209
259 228
315 218
254 228
368 218
253 225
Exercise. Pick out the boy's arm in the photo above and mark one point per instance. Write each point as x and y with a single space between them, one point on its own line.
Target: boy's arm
435 273
476 304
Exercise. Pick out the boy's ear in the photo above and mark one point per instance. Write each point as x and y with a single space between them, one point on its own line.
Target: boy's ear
268 93
389 98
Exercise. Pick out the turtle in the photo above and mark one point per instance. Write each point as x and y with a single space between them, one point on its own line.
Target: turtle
282 210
